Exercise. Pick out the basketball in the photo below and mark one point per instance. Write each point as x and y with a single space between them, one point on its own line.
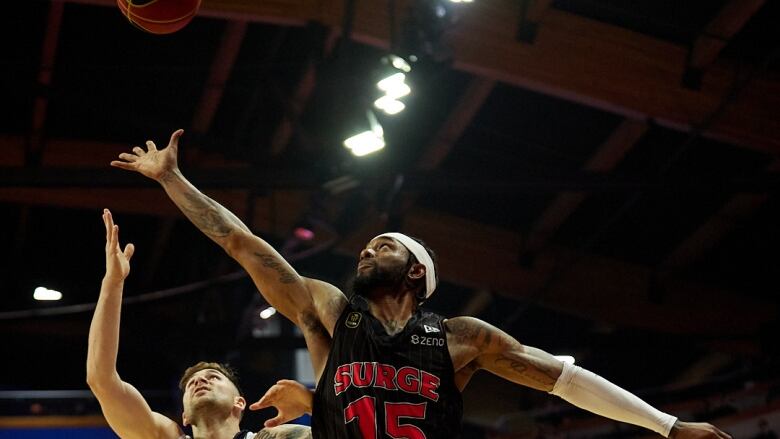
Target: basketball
159 16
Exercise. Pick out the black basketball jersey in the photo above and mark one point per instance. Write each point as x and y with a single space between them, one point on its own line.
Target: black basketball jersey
375 386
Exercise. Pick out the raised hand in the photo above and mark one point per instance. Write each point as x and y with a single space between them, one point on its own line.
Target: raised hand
153 163
117 260
696 430
291 399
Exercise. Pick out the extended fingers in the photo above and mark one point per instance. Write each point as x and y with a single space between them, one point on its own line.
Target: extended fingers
273 422
129 250
140 151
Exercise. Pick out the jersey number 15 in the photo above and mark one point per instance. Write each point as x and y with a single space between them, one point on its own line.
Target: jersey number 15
363 410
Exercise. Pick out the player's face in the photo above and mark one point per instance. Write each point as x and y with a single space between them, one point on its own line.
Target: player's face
384 262
208 391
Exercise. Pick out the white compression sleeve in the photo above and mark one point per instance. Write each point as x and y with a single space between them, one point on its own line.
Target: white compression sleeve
593 393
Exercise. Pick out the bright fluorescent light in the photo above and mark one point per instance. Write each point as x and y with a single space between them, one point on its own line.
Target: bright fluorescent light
394 86
565 358
268 312
389 105
400 64
42 293
365 143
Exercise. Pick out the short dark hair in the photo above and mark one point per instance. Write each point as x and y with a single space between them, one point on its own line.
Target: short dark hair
222 368
421 292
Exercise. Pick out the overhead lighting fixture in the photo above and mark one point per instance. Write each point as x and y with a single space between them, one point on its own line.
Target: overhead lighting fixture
42 293
565 358
461 1
400 63
394 85
364 143
368 141
389 105
267 313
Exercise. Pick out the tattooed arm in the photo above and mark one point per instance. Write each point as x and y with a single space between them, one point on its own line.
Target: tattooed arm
287 431
475 345
313 305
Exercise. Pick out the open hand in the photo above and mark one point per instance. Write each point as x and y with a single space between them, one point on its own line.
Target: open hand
117 261
153 163
291 399
696 430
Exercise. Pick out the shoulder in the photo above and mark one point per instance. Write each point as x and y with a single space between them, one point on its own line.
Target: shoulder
464 326
471 331
328 303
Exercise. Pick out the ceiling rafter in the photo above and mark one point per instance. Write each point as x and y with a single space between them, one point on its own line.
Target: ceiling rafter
482 257
221 66
573 58
35 143
736 210
297 103
456 123
608 155
731 19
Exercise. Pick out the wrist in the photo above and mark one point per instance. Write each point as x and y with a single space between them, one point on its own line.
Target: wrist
111 280
169 175
675 428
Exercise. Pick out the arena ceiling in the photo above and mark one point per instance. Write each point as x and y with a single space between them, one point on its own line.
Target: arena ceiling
596 177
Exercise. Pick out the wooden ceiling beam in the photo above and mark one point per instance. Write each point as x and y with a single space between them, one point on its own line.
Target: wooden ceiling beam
731 19
456 123
606 157
284 132
221 66
480 257
735 211
35 142
573 58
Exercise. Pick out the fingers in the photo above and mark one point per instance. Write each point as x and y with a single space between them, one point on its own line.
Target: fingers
174 142
124 165
139 151
151 146
114 243
262 403
129 250
106 216
273 422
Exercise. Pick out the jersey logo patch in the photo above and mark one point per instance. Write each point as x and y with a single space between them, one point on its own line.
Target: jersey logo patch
353 320
429 329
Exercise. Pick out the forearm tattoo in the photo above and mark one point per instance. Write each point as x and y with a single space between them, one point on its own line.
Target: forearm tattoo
270 261
294 432
209 216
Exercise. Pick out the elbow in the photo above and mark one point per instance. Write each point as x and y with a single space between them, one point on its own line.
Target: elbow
97 380
234 243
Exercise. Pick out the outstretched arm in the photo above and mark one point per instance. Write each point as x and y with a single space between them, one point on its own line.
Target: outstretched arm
301 300
479 345
125 409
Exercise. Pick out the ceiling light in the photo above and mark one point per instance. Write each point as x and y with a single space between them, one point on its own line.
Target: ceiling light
365 143
267 313
394 85
389 105
42 293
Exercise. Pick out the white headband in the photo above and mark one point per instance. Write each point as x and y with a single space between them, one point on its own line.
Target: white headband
422 256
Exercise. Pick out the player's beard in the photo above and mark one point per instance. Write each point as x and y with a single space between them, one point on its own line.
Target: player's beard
376 277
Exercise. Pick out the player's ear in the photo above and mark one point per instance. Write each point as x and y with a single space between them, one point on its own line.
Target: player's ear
416 271
184 421
239 402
